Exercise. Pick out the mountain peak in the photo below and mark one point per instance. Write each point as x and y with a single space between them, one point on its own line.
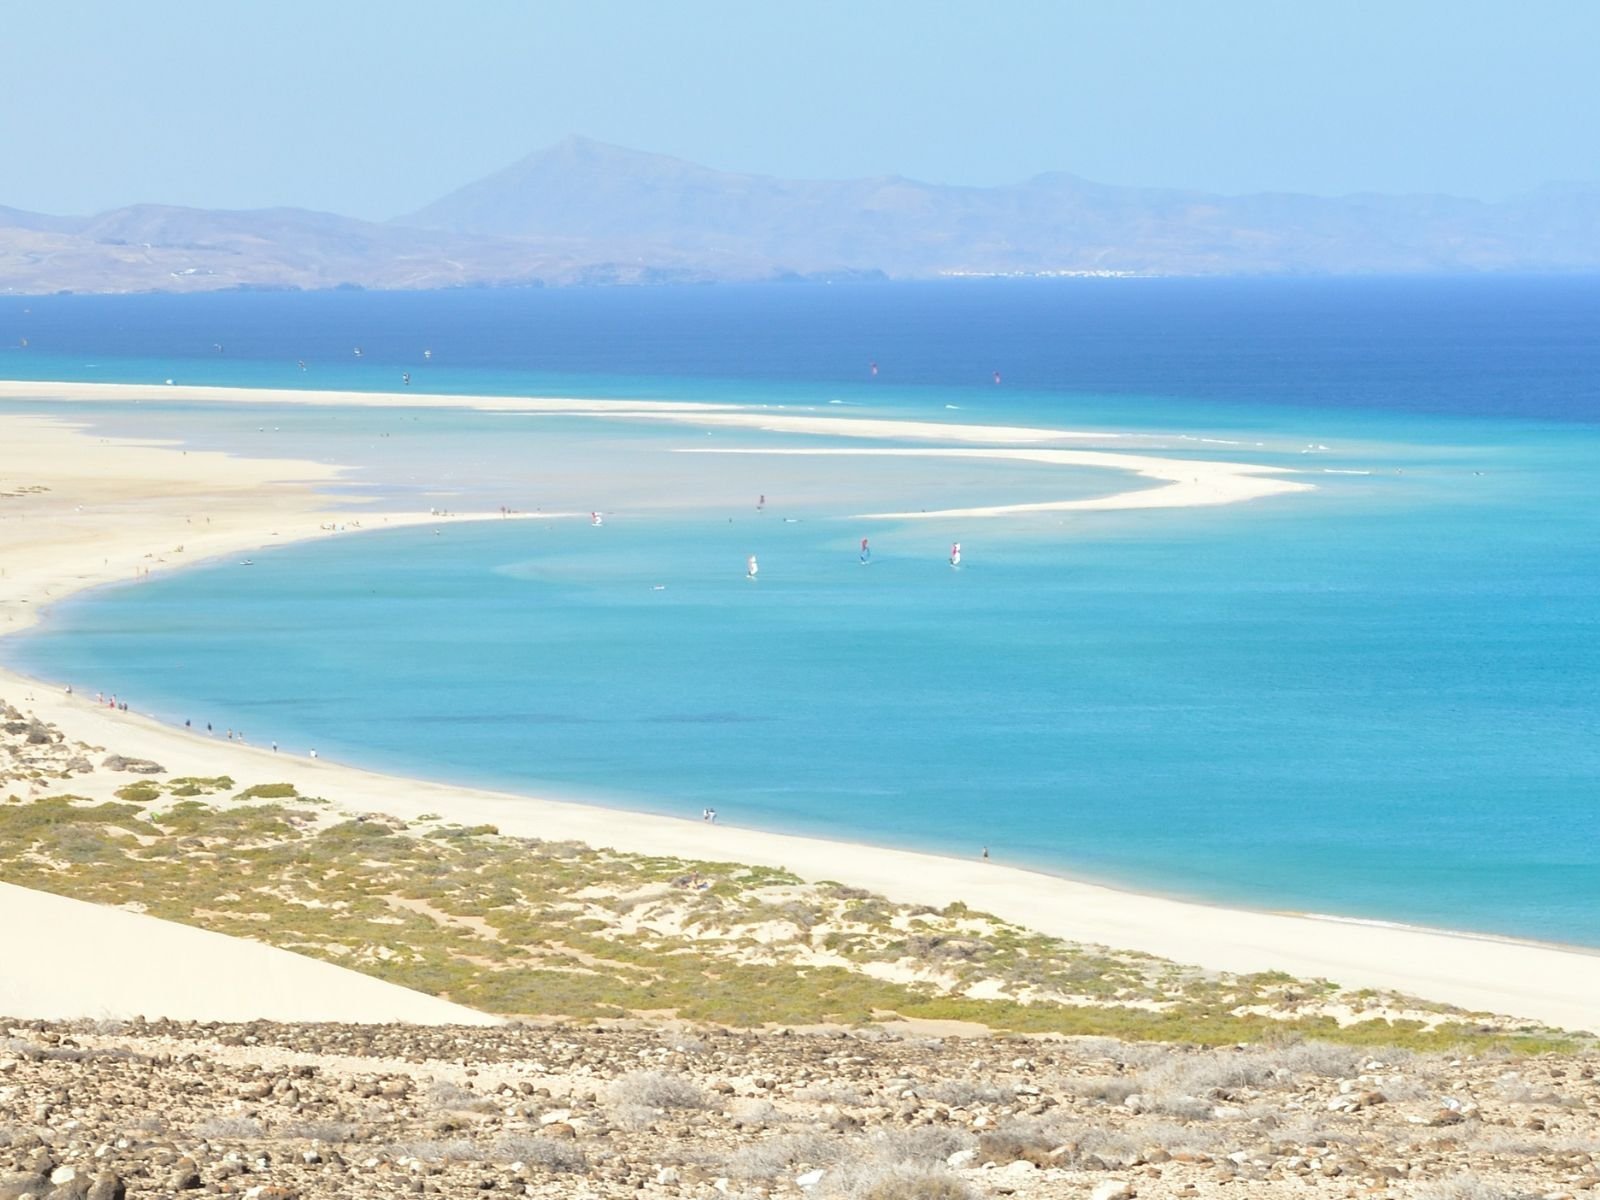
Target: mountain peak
584 210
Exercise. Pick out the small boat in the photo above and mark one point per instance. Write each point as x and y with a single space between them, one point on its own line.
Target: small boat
427 354
358 351
247 562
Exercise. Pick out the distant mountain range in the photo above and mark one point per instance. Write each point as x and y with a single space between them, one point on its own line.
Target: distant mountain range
585 212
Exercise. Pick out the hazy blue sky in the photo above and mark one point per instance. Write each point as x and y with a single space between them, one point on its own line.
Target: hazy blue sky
373 108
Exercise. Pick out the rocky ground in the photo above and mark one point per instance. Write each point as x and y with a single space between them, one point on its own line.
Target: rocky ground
579 1110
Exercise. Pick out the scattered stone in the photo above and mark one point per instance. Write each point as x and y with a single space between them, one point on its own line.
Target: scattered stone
185 1175
14 1187
258 1111
139 766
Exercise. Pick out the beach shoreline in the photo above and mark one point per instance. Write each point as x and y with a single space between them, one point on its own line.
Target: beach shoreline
128 502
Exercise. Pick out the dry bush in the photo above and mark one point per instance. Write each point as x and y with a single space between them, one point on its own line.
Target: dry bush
1200 1073
635 1118
428 1150
106 1027
454 1098
1180 1105
1164 1135
927 1144
656 1089
1031 1141
1120 1053
329 1132
774 1156
831 1093
1113 1089
756 1114
1464 1187
549 1153
1510 1144
1313 1129
1099 1147
1321 1059
1094 1046
682 1041
962 1092
1518 1091
892 1181
229 1127
1399 1089
1184 1085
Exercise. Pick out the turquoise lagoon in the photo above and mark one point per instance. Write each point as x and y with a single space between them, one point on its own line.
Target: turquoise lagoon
1379 699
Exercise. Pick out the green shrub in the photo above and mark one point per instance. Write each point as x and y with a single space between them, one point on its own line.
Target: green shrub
269 791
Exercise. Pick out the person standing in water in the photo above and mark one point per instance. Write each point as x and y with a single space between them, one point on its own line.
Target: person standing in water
751 568
866 552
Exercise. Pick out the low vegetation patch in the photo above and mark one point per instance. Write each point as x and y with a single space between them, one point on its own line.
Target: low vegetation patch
528 927
269 791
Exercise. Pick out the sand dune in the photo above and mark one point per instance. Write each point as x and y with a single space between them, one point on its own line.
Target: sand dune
66 959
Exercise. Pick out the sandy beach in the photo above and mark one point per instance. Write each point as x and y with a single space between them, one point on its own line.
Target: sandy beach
77 510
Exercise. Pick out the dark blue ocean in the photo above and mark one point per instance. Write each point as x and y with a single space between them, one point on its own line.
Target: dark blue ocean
1380 698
